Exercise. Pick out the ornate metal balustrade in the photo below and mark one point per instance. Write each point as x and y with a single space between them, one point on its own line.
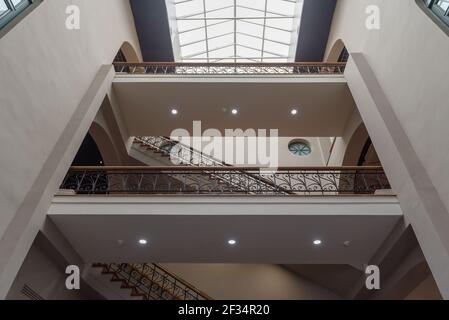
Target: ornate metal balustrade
191 180
179 151
167 68
151 281
186 155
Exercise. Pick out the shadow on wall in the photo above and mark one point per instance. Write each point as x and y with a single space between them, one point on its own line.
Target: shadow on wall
336 52
360 150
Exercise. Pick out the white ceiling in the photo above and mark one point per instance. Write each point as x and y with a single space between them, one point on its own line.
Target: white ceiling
234 30
268 230
325 104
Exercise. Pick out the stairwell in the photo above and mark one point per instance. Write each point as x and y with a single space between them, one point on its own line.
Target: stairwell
160 151
150 282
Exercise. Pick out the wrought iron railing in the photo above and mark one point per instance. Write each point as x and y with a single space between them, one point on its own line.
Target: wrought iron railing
184 154
178 151
190 180
152 282
169 68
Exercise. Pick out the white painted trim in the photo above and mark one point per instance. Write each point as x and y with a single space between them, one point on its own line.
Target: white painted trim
226 205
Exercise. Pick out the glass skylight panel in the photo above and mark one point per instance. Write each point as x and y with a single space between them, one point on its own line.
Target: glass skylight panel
234 30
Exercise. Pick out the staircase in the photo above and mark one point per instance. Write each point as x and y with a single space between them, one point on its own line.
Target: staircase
151 282
185 155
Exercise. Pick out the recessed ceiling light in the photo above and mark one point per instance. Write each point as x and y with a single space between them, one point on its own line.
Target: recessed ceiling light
234 111
317 242
294 112
174 112
143 241
232 242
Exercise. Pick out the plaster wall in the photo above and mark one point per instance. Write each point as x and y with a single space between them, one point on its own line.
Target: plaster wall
45 72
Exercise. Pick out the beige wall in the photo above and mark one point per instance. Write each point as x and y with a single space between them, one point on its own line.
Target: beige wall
45 70
44 276
281 154
249 281
341 144
409 57
397 75
109 135
426 290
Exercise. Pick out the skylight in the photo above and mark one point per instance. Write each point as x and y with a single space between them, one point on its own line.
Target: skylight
232 31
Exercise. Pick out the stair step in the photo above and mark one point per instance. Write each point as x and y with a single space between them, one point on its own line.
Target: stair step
137 291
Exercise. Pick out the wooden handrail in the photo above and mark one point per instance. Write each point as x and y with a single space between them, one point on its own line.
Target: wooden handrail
185 283
191 168
287 180
249 64
162 271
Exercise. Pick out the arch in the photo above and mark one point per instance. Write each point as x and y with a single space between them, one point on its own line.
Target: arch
355 146
360 150
335 51
129 52
104 144
88 153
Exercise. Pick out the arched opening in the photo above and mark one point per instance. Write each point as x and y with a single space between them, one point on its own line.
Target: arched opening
104 145
368 155
126 53
96 150
338 52
360 150
344 55
88 154
129 53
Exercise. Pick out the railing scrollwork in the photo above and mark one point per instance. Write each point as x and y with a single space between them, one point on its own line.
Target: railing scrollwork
187 155
171 68
219 180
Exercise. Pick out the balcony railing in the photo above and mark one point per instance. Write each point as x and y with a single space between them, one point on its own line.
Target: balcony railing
152 282
168 68
219 180
191 157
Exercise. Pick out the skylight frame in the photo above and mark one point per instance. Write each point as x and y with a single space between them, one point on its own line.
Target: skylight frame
195 44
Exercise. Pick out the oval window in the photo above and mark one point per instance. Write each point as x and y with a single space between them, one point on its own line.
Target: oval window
300 148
